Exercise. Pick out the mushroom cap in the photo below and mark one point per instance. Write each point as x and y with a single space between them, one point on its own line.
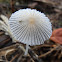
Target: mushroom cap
57 36
30 26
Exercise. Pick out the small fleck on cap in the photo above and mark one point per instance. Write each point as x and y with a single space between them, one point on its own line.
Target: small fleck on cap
30 26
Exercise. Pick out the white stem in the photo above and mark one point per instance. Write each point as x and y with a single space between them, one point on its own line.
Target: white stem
27 47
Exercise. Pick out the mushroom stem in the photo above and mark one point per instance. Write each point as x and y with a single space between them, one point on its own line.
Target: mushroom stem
27 47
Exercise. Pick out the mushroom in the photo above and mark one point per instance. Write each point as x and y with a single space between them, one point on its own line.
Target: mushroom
57 36
30 27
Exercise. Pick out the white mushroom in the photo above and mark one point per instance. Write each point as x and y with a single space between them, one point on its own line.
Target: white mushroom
30 27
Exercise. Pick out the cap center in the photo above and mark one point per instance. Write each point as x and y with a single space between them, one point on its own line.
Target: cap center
31 21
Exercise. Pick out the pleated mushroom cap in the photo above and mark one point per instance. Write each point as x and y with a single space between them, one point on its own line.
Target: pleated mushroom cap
30 26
